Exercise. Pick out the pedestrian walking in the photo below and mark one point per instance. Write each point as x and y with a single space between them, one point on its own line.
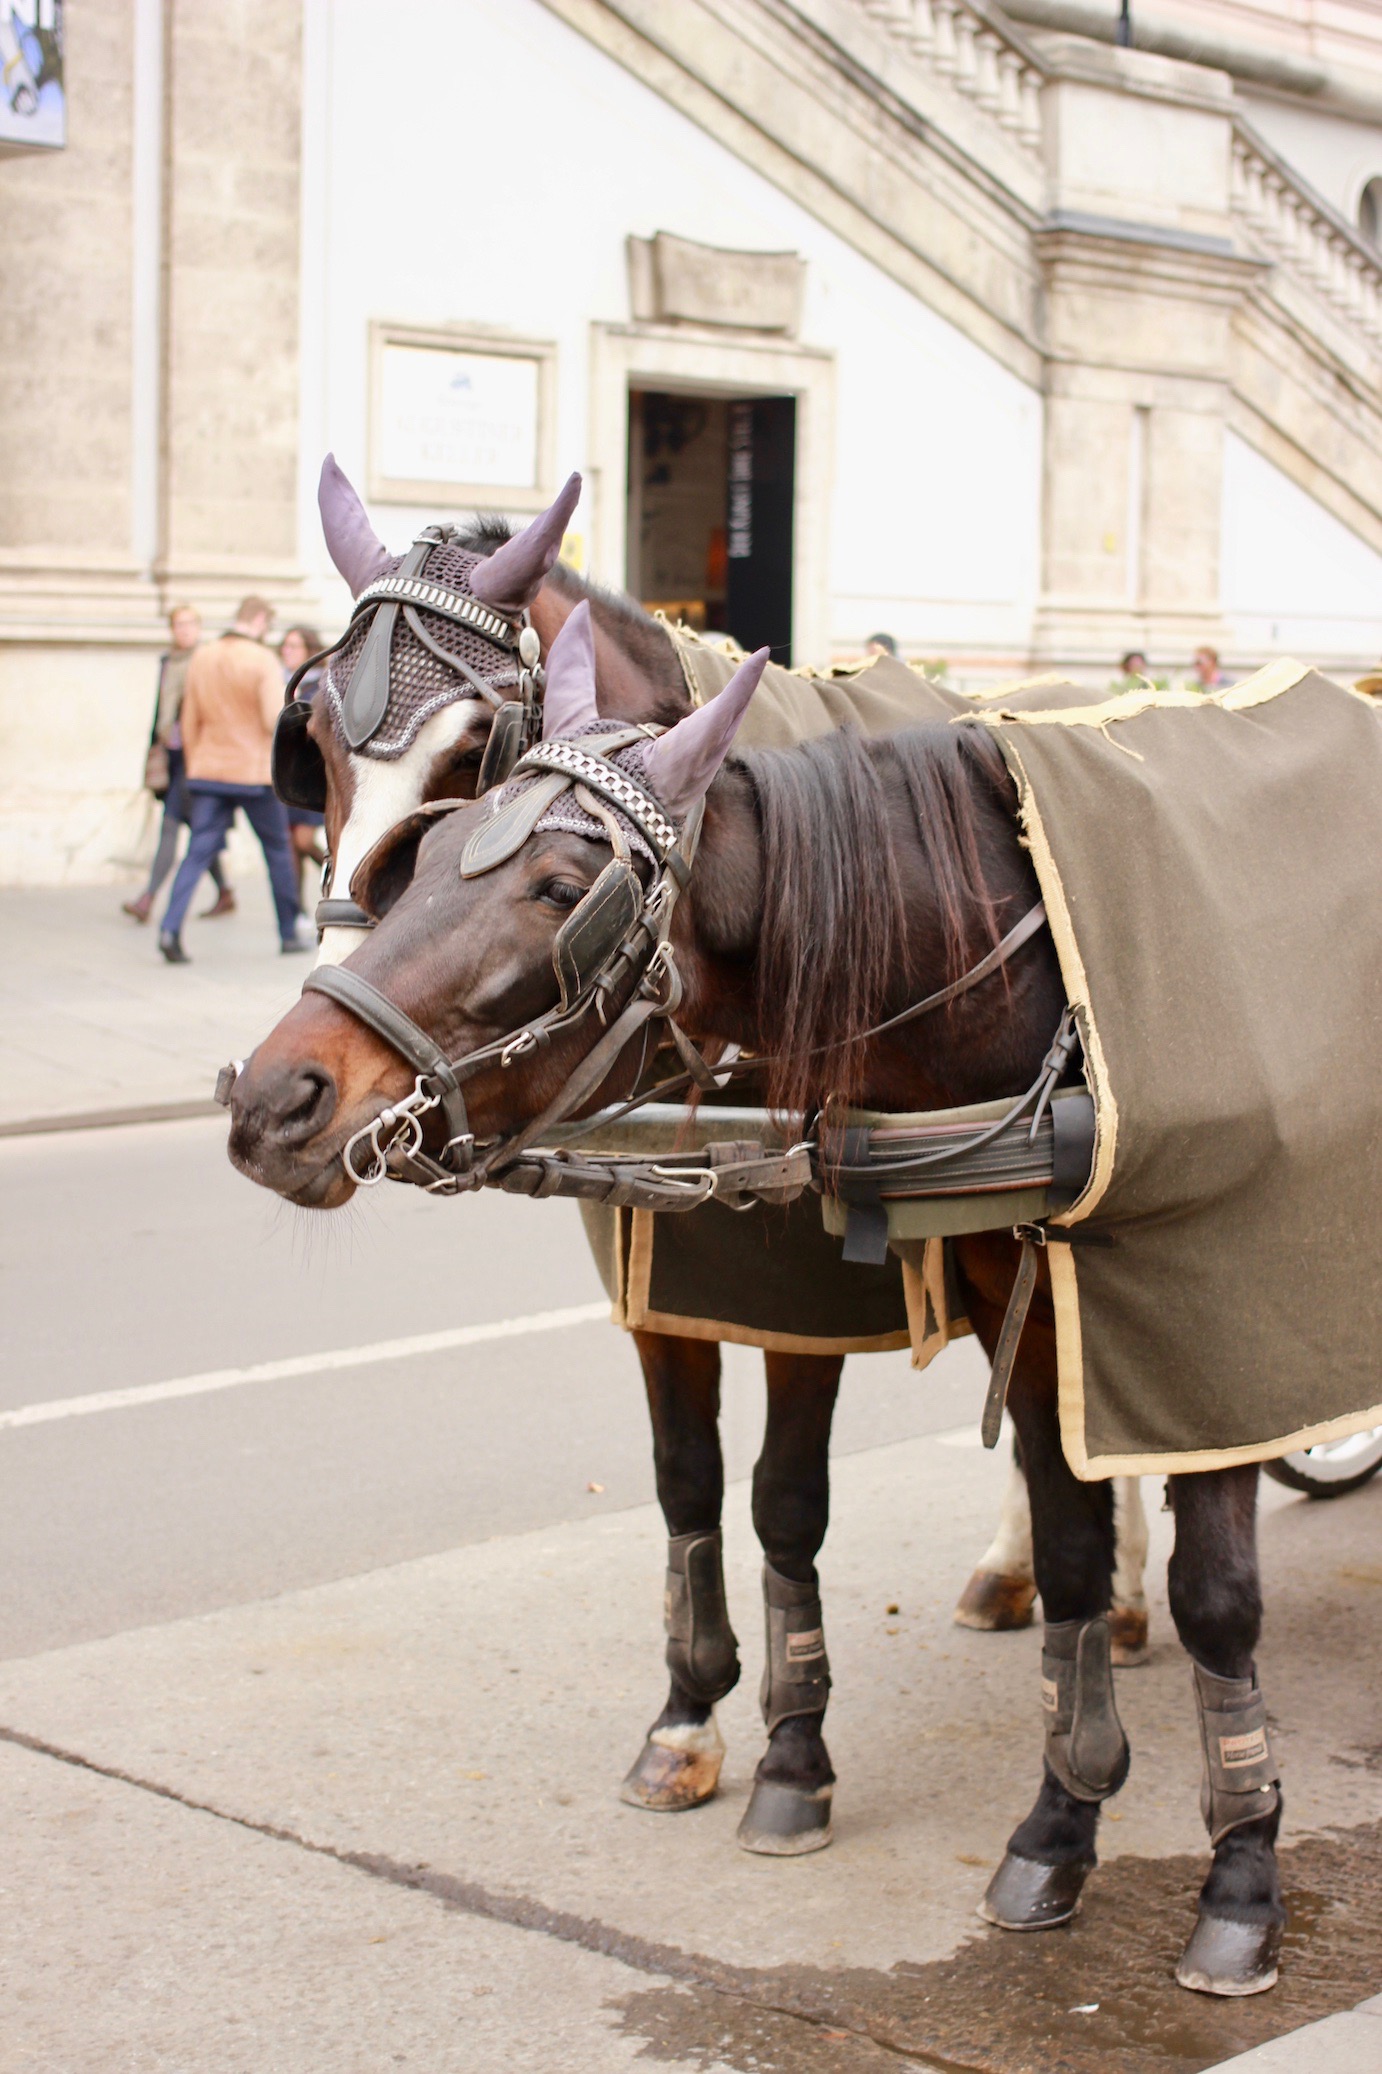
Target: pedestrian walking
304 827
164 771
232 699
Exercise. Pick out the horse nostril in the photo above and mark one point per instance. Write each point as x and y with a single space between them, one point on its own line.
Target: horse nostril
307 1105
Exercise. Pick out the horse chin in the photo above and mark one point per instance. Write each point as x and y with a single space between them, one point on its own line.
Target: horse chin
313 1177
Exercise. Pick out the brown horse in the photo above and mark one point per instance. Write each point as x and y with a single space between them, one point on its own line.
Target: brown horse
437 755
833 885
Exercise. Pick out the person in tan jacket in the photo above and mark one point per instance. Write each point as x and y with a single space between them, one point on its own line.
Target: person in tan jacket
229 708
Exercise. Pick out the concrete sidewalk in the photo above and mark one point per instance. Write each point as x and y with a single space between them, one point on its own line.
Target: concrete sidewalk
290 1833
92 1020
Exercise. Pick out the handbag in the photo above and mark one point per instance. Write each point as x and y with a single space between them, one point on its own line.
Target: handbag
157 773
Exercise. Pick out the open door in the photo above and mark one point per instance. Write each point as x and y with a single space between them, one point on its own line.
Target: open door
710 512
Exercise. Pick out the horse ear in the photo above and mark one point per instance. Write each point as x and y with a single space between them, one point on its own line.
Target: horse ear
568 703
682 763
514 572
351 540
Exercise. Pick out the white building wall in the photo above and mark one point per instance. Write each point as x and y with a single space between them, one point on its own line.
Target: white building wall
1294 578
483 164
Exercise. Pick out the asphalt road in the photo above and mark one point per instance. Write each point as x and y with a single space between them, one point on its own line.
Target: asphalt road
136 1256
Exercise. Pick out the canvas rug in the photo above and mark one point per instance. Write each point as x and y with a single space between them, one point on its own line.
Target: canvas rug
1212 869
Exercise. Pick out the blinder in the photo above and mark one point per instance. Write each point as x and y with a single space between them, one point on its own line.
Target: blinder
508 737
595 929
296 765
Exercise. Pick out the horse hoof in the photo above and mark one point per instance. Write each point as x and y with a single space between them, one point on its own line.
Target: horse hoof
996 1603
1228 1958
677 1768
1127 1630
1023 1895
786 1821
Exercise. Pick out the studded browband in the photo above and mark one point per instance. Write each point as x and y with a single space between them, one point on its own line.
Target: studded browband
440 598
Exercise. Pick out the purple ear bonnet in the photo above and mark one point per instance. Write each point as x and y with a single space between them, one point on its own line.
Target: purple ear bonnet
420 682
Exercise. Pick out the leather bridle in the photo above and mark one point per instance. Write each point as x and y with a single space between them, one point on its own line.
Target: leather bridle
633 982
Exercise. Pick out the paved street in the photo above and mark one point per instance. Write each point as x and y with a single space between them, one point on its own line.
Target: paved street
319 1681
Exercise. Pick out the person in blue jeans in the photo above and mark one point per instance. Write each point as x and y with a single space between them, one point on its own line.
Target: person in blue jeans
229 708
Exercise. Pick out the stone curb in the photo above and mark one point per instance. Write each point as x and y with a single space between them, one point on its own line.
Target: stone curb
108 1119
1349 2043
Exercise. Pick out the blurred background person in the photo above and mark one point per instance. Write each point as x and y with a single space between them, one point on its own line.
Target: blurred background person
229 709
164 772
1205 674
880 644
304 827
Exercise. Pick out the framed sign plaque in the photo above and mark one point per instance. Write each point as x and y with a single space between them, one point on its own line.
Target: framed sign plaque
460 418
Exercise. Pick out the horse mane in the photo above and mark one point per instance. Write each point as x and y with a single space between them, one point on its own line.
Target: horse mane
837 947
646 644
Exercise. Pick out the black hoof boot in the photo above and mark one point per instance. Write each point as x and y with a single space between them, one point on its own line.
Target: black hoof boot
783 1821
1225 1957
1023 1895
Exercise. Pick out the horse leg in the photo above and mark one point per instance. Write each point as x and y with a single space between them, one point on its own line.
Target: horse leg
1051 1854
1216 1602
789 1810
1002 1591
1127 1620
679 1764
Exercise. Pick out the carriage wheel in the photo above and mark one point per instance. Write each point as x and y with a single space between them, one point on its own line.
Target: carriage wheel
1332 1469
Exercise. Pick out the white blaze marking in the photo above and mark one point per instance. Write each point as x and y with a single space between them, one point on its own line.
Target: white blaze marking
305 1364
386 790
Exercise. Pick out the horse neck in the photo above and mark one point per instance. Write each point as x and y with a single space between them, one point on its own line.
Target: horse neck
986 1044
642 685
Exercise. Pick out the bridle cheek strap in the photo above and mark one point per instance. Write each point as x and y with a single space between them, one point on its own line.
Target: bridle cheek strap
375 1010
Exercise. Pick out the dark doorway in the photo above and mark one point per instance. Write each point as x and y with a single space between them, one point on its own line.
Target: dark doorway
710 500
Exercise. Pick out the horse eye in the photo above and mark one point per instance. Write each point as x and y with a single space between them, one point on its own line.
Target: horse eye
562 893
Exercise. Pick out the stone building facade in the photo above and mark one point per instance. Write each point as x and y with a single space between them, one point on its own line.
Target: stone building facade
1074 348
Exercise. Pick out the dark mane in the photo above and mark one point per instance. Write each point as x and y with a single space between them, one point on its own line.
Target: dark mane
640 637
835 950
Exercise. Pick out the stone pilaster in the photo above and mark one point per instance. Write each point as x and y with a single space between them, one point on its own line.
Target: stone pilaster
1141 284
233 96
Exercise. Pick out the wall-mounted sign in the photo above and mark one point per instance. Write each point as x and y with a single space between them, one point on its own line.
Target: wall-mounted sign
33 103
460 418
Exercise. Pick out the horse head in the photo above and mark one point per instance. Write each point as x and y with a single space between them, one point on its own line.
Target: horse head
478 909
436 645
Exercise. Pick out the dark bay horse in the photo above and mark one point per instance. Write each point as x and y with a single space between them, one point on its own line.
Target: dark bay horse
366 795
834 884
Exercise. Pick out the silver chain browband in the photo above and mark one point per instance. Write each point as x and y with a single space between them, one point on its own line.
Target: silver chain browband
439 598
603 777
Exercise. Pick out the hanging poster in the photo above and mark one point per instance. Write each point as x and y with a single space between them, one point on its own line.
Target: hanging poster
33 102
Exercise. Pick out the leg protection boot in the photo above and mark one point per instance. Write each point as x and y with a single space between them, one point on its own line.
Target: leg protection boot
1228 1955
1086 1751
679 1764
1085 1744
784 1819
702 1651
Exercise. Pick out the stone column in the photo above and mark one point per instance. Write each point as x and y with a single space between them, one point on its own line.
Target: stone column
233 133
1141 281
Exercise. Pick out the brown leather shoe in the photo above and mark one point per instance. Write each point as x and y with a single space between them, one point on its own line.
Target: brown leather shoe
223 904
137 910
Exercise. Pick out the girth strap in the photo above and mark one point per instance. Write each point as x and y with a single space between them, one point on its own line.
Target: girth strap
411 1042
1005 1353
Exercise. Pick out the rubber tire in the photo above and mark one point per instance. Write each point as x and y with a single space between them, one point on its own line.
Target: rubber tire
1295 1472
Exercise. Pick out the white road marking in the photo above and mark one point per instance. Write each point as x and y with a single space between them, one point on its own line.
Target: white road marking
304 1364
